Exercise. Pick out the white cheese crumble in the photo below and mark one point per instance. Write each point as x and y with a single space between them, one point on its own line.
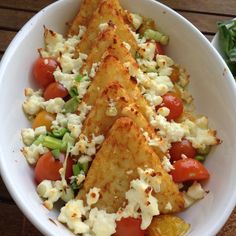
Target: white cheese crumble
54 105
92 196
94 68
136 20
140 197
103 26
34 99
148 50
33 152
163 111
28 136
166 164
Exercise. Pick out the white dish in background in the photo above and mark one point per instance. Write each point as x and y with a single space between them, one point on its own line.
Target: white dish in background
212 86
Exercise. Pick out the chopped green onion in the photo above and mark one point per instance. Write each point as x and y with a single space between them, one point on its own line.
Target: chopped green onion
39 140
84 166
67 194
74 185
54 143
79 78
204 151
71 105
73 91
59 132
56 153
76 169
68 140
200 158
157 36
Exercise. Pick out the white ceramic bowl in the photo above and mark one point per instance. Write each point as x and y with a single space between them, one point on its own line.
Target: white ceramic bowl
211 85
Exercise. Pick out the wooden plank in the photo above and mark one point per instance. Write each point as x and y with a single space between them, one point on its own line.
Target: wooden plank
5 39
208 6
230 226
205 23
26 4
3 192
12 19
14 223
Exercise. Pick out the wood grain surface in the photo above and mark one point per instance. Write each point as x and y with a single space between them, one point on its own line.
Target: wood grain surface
204 14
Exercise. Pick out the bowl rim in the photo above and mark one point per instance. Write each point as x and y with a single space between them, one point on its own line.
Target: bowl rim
3 171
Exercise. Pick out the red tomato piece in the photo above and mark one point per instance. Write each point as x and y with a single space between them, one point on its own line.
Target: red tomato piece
55 90
159 49
189 169
48 168
183 147
69 170
129 227
43 71
175 105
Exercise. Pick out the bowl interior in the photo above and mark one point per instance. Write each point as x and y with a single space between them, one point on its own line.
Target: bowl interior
212 87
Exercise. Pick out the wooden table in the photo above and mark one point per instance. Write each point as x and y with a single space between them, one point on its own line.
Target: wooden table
14 13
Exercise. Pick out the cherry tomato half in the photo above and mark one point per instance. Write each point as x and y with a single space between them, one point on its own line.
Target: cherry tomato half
175 105
48 167
183 147
129 227
175 74
43 71
159 49
43 118
55 90
189 169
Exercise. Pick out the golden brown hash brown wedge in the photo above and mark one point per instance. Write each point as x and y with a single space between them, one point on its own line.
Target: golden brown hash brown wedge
108 42
86 10
114 103
106 12
112 70
124 150
167 225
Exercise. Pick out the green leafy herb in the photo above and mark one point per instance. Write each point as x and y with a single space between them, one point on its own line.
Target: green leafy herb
68 140
71 105
76 169
79 78
73 92
227 40
200 158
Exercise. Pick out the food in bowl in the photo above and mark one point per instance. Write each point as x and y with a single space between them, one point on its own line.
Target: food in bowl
114 134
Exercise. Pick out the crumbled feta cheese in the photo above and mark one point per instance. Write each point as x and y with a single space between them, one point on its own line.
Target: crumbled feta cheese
94 68
71 214
168 206
188 201
103 26
163 111
101 223
41 130
140 197
146 65
28 136
32 104
55 105
164 61
83 86
148 50
92 196
166 164
126 45
195 191
33 152
80 179
136 20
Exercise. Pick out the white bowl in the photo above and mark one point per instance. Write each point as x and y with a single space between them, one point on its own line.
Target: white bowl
212 86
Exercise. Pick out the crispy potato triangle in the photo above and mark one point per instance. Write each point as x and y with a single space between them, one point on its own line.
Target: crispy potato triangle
86 10
99 121
108 42
112 70
123 151
167 225
106 12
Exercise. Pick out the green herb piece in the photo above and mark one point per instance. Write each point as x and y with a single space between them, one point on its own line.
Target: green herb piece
73 91
204 151
157 36
53 143
79 78
76 169
39 140
227 42
68 140
200 158
71 105
56 153
59 132
84 166
74 185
